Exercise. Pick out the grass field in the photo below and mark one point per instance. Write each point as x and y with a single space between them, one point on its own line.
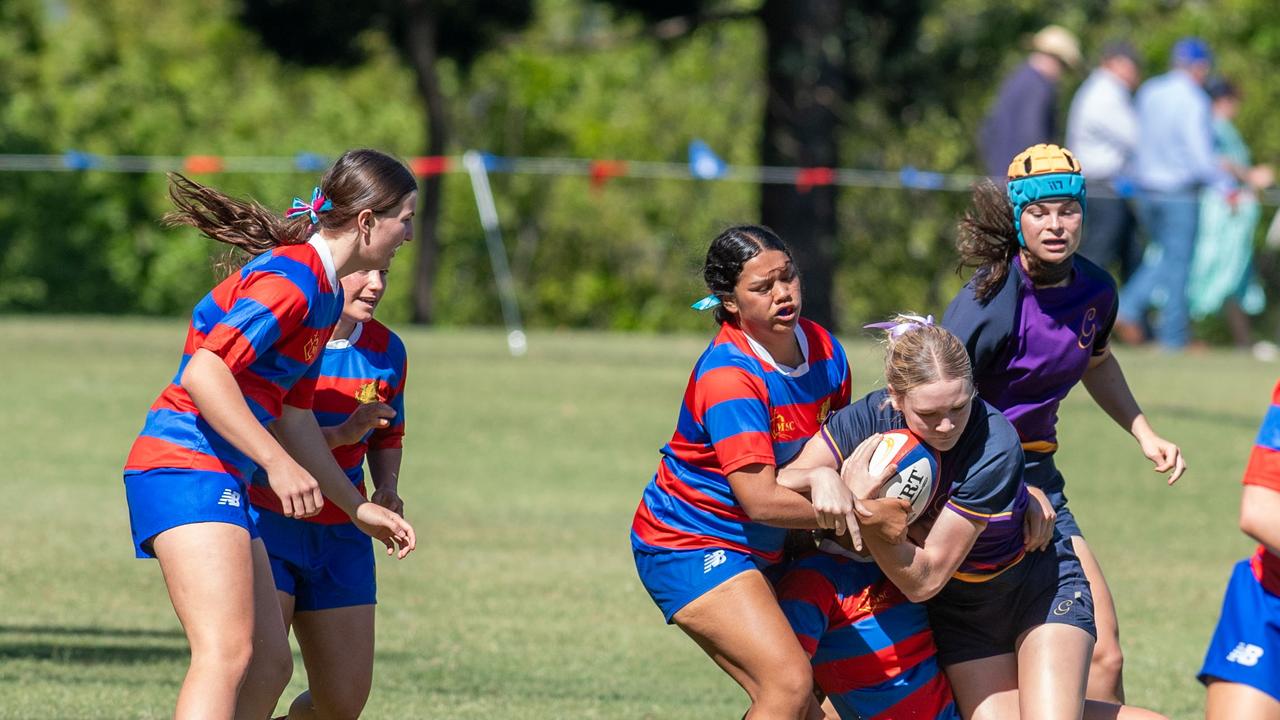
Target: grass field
521 476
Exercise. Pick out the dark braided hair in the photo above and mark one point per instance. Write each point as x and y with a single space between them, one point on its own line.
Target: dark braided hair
987 239
731 249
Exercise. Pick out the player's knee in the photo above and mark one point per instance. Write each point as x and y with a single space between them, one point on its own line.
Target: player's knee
228 654
273 666
344 702
789 687
1108 657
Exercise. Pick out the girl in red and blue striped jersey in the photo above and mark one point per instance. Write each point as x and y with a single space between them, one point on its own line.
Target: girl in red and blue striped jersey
714 515
323 565
1242 665
241 400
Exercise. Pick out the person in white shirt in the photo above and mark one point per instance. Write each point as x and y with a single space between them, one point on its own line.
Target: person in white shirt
1102 131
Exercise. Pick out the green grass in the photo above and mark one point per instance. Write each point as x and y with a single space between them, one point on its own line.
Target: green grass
521 476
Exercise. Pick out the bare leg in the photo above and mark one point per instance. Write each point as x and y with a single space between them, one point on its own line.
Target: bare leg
1106 669
208 570
272 664
986 689
1053 668
1238 323
740 625
1096 710
1231 701
337 648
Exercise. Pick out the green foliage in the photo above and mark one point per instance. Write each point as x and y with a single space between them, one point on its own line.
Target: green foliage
583 79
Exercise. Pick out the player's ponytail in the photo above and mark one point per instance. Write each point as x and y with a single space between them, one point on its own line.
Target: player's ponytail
918 352
359 180
987 239
731 249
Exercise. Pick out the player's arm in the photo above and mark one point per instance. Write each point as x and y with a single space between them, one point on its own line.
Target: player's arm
300 434
1259 508
215 392
1105 381
765 501
812 472
921 571
367 416
384 473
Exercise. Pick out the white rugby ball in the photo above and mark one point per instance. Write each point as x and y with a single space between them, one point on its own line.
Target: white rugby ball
917 469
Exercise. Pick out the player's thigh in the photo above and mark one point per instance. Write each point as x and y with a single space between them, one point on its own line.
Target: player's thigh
986 688
337 649
1053 669
739 624
209 571
1231 701
1104 606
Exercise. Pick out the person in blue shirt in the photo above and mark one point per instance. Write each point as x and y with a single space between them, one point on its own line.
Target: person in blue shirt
1175 160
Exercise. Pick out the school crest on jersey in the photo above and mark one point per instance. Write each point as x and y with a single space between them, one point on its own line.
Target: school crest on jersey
311 348
1088 328
368 393
782 427
824 411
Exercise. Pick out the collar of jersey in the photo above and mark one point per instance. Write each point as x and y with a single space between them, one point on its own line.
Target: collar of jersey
346 342
326 259
763 354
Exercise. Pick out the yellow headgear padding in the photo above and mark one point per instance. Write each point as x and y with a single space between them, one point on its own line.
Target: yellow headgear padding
1042 159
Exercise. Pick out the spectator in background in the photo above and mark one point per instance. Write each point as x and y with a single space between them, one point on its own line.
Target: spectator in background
1222 276
1102 131
1025 111
1175 160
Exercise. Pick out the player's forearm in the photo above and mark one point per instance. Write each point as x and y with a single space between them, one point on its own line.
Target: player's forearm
908 567
765 501
1107 385
217 395
300 434
384 469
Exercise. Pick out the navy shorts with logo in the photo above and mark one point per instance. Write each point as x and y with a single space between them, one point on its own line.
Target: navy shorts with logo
165 498
675 578
1041 472
974 620
1245 648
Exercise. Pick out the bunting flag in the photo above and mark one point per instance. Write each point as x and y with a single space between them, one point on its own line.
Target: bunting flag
702 164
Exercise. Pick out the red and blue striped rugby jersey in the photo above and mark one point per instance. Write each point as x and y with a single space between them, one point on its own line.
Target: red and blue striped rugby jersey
739 409
269 323
872 650
1264 470
371 365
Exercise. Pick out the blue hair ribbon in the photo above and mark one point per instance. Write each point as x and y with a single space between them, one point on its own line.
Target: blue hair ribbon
706 303
319 203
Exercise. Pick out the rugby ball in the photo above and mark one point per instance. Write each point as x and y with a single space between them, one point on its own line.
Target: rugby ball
917 469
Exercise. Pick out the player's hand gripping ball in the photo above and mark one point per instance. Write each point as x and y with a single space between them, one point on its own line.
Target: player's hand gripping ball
917 469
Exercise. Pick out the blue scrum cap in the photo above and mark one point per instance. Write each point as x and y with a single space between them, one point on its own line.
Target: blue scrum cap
1042 172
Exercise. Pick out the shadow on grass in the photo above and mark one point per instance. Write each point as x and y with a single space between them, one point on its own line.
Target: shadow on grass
90 630
91 645
87 654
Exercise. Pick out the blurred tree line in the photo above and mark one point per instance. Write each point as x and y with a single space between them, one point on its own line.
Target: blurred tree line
876 84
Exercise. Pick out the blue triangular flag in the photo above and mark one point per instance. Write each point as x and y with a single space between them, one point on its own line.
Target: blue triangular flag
704 163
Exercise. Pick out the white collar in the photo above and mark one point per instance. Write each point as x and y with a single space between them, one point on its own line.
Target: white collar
794 372
346 342
326 259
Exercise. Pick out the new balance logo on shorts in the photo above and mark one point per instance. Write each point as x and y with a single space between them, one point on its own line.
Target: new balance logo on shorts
1245 654
230 497
712 559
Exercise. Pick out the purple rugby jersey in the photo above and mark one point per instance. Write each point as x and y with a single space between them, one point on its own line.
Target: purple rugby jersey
1030 346
980 478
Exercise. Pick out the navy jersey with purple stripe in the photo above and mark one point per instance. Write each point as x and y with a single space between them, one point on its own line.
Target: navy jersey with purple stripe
980 478
1030 346
369 366
872 651
739 409
268 322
